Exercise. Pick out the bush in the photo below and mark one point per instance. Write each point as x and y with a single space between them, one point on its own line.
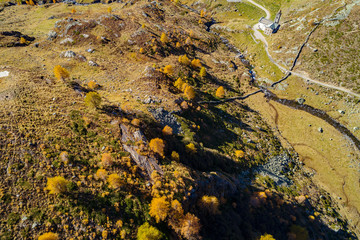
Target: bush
267 237
159 208
64 157
239 154
101 174
168 69
188 41
92 99
136 122
210 204
164 38
196 63
190 148
115 181
179 84
61 73
220 92
106 160
148 232
157 145
189 92
56 185
93 85
167 131
48 236
184 60
175 156
202 72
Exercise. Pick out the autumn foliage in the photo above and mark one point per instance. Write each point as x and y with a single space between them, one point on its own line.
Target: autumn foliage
101 174
164 38
189 92
61 73
159 208
56 185
106 160
167 131
210 204
148 232
183 59
157 145
115 181
196 63
48 236
168 69
92 99
220 92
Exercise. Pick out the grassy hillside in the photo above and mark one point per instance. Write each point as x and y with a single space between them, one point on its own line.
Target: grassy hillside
142 159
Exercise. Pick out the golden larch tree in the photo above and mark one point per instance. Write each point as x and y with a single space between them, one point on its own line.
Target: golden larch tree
61 73
220 92
189 92
164 38
159 208
167 131
48 236
202 72
148 232
190 226
92 99
56 185
157 145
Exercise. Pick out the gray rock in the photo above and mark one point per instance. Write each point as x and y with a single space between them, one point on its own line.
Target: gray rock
52 35
67 41
93 64
166 118
85 35
356 128
301 100
149 71
320 130
68 54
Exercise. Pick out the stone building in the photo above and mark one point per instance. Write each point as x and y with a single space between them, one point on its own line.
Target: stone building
269 27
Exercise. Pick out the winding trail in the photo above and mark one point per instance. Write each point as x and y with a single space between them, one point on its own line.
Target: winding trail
305 76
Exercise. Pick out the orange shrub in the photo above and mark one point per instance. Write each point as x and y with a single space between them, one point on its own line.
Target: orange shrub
239 154
106 160
168 69
179 83
220 92
189 92
184 60
167 130
92 85
61 73
157 145
136 122
196 63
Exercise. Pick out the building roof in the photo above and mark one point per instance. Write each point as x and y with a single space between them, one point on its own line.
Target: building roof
265 21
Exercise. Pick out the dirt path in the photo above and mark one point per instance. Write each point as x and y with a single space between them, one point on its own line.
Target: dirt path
305 76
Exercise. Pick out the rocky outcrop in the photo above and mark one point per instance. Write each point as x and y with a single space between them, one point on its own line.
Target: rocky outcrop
149 164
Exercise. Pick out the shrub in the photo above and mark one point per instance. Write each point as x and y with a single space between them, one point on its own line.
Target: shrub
220 92
142 51
168 69
267 237
190 226
64 157
188 41
143 26
148 232
210 204
92 99
23 40
178 45
202 72
159 208
157 145
101 174
115 181
106 160
184 60
196 63
56 185
48 236
164 38
93 85
61 73
167 130
202 13
175 156
190 148
239 154
191 34
189 92
109 10
179 83
136 122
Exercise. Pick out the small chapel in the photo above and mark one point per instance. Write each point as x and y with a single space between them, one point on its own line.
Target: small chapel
269 27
